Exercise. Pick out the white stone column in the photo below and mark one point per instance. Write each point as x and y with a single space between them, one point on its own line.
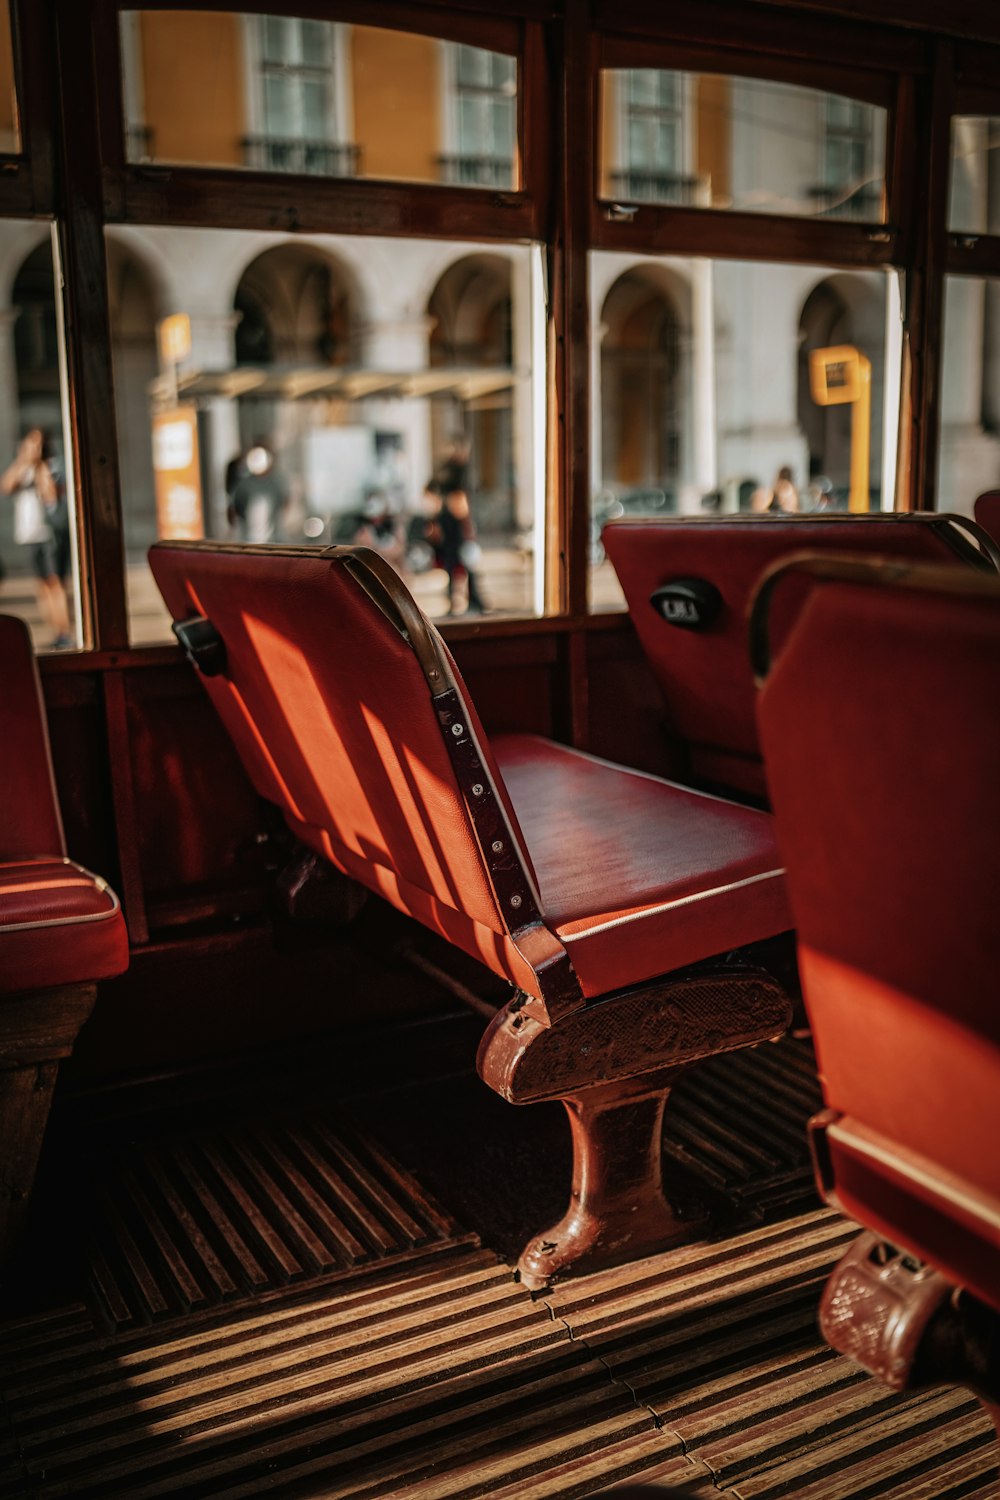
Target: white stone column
523 404
399 342
600 333
703 414
213 347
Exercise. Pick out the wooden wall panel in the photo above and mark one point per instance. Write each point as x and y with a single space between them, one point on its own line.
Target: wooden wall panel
200 824
80 761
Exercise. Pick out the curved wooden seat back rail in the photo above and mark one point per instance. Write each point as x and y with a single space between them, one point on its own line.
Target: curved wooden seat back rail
61 930
880 723
701 664
602 895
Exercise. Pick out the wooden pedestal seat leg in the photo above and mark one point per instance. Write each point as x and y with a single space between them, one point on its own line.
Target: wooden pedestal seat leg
613 1065
37 1029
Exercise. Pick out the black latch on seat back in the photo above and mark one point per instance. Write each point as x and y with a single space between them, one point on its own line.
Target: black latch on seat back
203 645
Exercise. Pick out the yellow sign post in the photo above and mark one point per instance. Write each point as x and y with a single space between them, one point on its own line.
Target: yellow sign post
840 376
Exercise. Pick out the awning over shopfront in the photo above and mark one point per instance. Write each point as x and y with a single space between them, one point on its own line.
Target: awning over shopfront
330 383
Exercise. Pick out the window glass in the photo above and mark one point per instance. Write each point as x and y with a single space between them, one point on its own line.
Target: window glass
39 578
714 141
10 133
274 93
974 196
310 389
704 391
969 439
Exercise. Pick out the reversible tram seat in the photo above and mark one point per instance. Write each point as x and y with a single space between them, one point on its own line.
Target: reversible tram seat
880 725
602 894
987 513
688 584
61 929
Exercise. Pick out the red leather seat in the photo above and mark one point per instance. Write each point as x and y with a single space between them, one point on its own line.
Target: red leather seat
61 928
987 513
703 672
575 879
638 876
880 724
58 924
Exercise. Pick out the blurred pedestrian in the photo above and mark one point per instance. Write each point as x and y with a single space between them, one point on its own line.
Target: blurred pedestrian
782 496
380 529
259 496
449 531
41 525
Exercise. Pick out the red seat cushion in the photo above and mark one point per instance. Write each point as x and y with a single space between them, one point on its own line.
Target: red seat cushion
639 876
59 924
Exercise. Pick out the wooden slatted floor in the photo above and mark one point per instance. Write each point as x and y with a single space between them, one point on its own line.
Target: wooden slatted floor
444 1380
278 1306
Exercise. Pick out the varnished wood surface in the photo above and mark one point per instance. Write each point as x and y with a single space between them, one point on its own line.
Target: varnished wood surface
278 1303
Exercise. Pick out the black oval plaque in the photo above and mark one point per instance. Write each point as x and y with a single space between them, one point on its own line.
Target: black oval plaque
690 603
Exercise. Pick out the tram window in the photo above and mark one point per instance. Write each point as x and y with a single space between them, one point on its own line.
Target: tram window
362 366
708 140
969 434
280 94
703 392
10 134
39 574
974 193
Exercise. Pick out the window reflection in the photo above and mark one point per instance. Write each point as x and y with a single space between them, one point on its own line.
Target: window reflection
712 141
974 193
281 94
326 380
969 443
704 396
38 573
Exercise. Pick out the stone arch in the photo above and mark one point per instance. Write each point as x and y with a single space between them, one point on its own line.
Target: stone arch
844 308
298 306
36 341
470 310
643 386
135 305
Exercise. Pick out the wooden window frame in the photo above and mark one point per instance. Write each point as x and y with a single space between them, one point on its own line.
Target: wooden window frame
27 177
109 190
179 193
562 49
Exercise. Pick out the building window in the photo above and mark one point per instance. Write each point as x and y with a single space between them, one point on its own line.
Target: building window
851 183
296 100
485 99
652 131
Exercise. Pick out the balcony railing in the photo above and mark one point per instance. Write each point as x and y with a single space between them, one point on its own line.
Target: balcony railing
462 170
270 153
639 185
862 204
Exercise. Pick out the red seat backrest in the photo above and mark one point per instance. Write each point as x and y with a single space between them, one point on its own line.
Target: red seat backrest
880 724
30 826
704 673
331 712
987 513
